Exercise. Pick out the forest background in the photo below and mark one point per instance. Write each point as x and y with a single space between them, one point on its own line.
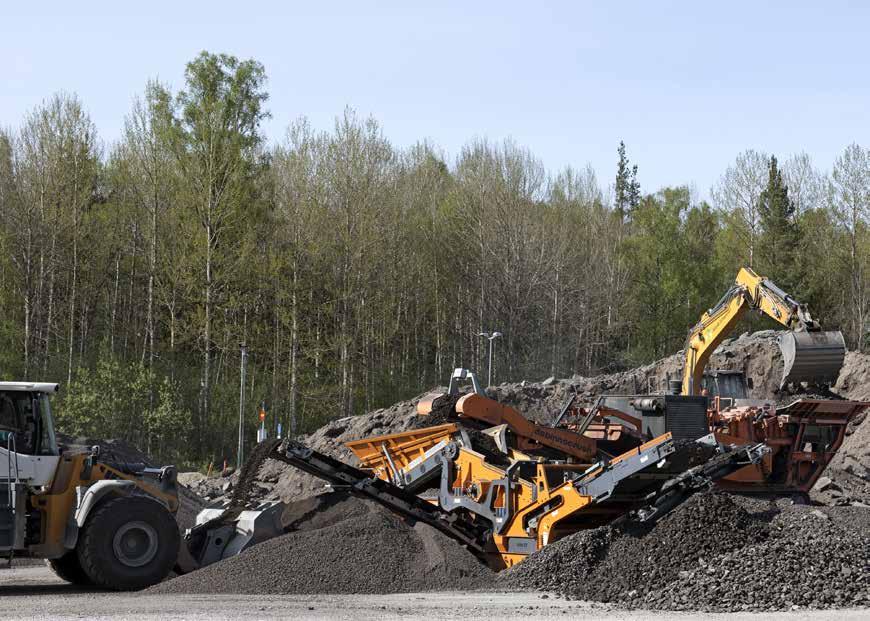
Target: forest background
358 273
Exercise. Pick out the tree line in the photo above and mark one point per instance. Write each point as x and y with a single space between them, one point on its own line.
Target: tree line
359 273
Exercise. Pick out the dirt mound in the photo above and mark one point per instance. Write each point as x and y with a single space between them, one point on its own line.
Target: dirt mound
756 354
341 545
714 553
111 449
847 478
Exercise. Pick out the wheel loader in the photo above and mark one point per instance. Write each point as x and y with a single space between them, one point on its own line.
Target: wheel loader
96 522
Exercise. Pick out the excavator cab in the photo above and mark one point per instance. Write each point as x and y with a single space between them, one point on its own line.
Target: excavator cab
727 384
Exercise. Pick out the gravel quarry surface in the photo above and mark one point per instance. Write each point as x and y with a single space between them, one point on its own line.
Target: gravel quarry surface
341 545
35 593
715 553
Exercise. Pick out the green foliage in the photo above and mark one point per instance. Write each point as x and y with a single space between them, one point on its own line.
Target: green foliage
125 400
359 273
670 252
627 187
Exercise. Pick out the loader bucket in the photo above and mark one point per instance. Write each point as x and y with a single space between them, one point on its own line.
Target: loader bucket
812 357
217 536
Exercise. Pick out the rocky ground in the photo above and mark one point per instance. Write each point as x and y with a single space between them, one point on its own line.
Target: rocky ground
35 593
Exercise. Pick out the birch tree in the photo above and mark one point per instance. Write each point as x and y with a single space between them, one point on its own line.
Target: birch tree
850 199
215 137
736 194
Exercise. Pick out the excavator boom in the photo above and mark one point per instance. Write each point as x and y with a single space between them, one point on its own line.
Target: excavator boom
809 354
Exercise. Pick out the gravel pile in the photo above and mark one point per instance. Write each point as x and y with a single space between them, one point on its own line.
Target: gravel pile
714 553
111 449
341 545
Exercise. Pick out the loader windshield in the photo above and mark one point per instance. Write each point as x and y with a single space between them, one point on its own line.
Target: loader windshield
26 424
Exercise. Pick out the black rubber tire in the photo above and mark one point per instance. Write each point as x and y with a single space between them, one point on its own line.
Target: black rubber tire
68 568
96 551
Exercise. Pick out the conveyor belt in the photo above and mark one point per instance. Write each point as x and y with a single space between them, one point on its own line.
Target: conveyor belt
394 498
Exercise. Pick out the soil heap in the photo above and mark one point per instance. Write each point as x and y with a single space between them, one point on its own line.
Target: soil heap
715 552
340 544
111 449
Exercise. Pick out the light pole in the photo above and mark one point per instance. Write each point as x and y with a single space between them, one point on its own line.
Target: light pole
491 336
242 371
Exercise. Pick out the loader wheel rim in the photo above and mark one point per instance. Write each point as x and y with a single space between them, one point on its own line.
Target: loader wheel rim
135 544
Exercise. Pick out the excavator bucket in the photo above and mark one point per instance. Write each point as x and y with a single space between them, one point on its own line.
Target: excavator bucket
812 357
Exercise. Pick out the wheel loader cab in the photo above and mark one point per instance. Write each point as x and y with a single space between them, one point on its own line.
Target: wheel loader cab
28 447
27 417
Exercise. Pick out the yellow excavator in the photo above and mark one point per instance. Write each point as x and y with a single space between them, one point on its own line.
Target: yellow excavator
803 435
96 520
809 354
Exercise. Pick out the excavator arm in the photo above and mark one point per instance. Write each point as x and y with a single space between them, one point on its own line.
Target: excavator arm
809 354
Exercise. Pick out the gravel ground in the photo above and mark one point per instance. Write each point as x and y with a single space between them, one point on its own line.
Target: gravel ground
35 593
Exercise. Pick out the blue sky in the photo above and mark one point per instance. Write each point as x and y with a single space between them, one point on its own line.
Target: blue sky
686 85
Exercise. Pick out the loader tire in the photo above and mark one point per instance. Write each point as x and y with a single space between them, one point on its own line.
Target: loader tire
68 568
128 543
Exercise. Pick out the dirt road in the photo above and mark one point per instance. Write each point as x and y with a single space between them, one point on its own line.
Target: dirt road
34 593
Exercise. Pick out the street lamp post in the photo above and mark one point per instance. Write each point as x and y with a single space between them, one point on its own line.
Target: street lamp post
491 336
242 370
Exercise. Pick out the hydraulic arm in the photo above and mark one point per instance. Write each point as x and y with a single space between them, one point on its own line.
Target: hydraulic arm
808 353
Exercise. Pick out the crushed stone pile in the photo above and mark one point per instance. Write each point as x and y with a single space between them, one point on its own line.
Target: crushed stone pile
716 553
112 449
340 544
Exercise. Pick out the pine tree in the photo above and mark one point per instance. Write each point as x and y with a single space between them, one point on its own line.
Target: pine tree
627 187
780 235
